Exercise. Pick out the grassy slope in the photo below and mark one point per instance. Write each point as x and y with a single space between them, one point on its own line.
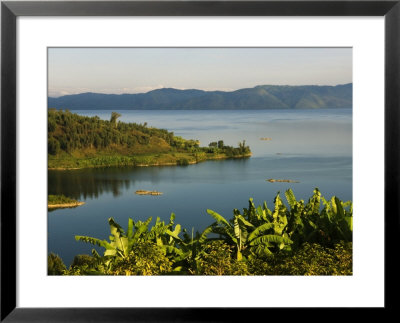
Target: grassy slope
155 151
107 159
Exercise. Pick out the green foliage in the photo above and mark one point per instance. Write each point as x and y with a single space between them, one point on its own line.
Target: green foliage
122 247
233 233
243 149
261 231
55 265
59 199
87 265
76 141
183 162
82 260
146 258
310 260
216 259
114 117
298 239
53 146
256 232
308 223
74 132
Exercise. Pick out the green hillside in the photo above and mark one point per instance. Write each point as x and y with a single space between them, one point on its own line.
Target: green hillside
76 141
259 97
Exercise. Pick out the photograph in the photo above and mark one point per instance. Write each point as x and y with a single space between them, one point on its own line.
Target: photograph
234 161
156 149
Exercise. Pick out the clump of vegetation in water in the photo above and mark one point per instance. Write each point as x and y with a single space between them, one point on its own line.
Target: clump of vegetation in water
60 199
300 238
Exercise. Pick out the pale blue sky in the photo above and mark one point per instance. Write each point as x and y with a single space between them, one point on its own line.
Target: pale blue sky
136 70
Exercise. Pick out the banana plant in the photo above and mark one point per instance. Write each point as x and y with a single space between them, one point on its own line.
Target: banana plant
235 233
271 234
256 240
119 244
267 244
192 247
295 228
165 234
308 223
338 219
167 237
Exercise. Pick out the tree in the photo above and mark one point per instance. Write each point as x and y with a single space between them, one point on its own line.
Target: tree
53 146
114 117
51 125
243 149
220 144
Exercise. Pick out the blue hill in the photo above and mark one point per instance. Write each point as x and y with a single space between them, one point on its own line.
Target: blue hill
259 97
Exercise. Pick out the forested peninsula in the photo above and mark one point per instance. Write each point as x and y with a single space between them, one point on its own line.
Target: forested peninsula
76 141
260 97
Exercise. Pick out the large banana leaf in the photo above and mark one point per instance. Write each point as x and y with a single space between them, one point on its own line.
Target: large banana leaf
262 214
174 234
219 218
270 238
277 208
204 234
226 232
290 198
130 228
349 220
94 241
244 221
259 230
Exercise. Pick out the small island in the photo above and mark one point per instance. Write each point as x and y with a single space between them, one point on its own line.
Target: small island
271 180
61 201
76 142
143 192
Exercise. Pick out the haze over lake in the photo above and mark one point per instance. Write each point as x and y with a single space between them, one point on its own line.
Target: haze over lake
313 147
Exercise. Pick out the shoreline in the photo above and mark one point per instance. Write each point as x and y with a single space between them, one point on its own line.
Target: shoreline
64 205
176 163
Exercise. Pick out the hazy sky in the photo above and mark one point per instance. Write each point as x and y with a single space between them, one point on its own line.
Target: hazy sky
135 70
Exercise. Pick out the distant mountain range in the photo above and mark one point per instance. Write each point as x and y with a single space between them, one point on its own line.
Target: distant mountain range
259 97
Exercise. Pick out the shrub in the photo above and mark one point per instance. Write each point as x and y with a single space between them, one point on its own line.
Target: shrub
82 260
216 259
53 146
182 162
146 258
55 265
310 260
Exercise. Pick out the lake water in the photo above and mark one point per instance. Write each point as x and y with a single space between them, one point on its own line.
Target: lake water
313 147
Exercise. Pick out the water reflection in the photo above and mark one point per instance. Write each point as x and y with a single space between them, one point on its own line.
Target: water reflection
94 182
88 183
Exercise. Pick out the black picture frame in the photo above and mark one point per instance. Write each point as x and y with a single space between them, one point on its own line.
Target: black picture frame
10 10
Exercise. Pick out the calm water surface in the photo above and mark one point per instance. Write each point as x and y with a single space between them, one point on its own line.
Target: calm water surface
313 147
